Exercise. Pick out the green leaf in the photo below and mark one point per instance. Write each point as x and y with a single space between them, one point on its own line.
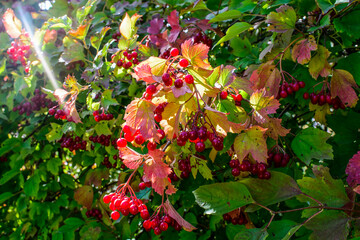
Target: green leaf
74 51
279 229
4 41
59 8
69 127
220 198
252 234
311 143
31 186
53 165
325 21
102 128
350 64
323 188
97 39
241 47
3 66
74 222
5 196
282 20
107 99
67 181
233 230
55 134
348 24
9 175
325 5
278 188
89 7
233 31
291 232
231 14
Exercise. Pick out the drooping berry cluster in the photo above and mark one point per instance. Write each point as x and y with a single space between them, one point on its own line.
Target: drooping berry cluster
239 219
256 169
73 65
129 58
322 98
278 158
137 138
37 102
58 114
160 224
120 203
71 143
108 164
202 38
3 159
104 140
18 52
158 111
185 168
102 116
96 213
287 89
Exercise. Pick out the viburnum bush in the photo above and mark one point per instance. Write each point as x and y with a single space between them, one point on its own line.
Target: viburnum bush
180 120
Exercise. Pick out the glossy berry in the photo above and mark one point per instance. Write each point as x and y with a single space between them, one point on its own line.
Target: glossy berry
139 139
151 89
235 172
163 226
151 146
184 63
306 95
142 186
115 215
174 52
157 231
189 79
200 146
106 199
121 142
129 137
144 214
283 94
162 133
223 94
178 83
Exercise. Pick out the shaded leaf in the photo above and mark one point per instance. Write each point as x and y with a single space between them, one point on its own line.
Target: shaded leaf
95 176
5 196
156 25
282 20
266 76
84 196
347 24
301 51
320 112
252 234
342 84
353 170
325 5
170 210
318 64
234 31
173 20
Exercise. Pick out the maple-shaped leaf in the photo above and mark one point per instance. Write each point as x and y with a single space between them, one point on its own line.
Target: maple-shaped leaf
196 54
173 20
170 119
143 72
221 122
263 105
139 114
320 112
170 210
12 23
301 51
81 31
266 76
201 84
274 128
127 27
155 26
318 64
84 196
158 65
342 84
353 171
130 158
251 141
282 20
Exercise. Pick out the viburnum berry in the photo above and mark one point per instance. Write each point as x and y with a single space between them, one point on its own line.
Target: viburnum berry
306 95
174 52
151 146
200 146
129 137
151 89
157 117
163 226
162 133
139 139
119 63
142 186
223 94
144 214
107 199
165 77
189 79
115 215
184 63
178 83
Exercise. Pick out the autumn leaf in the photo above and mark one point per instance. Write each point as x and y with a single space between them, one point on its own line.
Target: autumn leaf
81 31
320 112
196 54
170 210
353 171
263 105
157 65
342 84
143 72
139 114
155 26
95 176
301 51
266 76
130 158
68 100
251 141
61 95
318 64
12 24
170 119
180 91
127 27
224 75
201 84
221 122
50 36
173 20
274 128
282 20
84 196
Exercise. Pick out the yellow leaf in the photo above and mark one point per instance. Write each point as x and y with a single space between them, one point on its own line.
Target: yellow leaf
342 84
320 112
318 64
196 54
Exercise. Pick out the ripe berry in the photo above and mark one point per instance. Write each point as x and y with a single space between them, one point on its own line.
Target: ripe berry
51 111
239 98
157 117
314 99
139 139
174 52
306 95
178 83
163 226
295 86
125 53
162 133
193 135
144 214
121 142
151 146
125 212
106 199
200 146
124 204
184 63
234 163
119 63
223 94
165 77
235 172
133 209
147 225
189 79
151 89
142 186
134 54
283 94
115 215
289 90
301 84
218 144
157 231
183 136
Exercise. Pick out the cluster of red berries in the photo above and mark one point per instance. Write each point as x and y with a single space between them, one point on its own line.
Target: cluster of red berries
37 102
173 177
257 169
128 60
143 185
179 82
202 38
160 224
120 203
185 168
72 65
102 139
158 111
287 89
18 52
238 220
149 92
3 159
108 164
67 141
199 136
137 137
58 114
116 36
102 116
278 158
322 98
94 213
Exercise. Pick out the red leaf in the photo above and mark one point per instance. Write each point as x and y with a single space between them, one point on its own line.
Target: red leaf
143 72
342 84
301 51
84 196
155 26
266 76
139 114
130 158
12 23
196 54
169 209
173 20
274 128
353 171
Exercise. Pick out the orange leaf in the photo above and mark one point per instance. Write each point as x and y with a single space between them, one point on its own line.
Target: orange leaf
143 72
266 76
130 158
50 36
12 23
274 128
342 84
171 117
301 51
263 105
139 114
81 31
196 54
169 209
251 141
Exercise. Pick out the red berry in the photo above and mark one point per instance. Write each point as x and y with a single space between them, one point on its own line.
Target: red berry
162 133
151 146
125 212
295 86
283 94
234 163
51 111
121 142
134 54
119 63
107 199
165 77
306 95
126 129
129 137
239 98
151 89
200 146
174 52
157 231
163 226
155 223
301 84
144 214
189 79
133 209
289 90
178 83
127 65
139 139
267 175
142 186
278 157
115 215
124 204
235 172
157 117
147 224
314 99
125 53
218 144
184 63
223 94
